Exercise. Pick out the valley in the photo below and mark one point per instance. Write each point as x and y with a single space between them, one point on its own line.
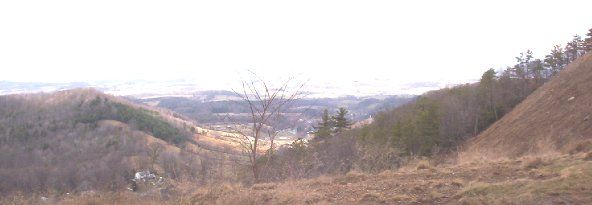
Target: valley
308 102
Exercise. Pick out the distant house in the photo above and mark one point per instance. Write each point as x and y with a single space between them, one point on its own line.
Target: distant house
143 176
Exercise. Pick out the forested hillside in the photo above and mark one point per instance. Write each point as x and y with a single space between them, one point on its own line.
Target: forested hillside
556 118
81 140
435 124
443 119
536 147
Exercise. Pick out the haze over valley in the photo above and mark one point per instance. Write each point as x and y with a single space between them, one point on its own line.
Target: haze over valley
307 102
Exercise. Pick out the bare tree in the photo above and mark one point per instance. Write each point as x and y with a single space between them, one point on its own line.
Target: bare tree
266 103
153 152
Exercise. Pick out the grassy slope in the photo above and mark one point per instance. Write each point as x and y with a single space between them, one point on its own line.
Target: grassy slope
524 181
554 180
549 120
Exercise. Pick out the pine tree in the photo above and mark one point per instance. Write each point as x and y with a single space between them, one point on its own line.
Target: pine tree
323 131
421 133
588 41
555 61
522 70
486 90
341 121
428 128
574 49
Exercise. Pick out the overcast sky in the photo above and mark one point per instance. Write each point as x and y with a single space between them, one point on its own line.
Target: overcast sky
403 41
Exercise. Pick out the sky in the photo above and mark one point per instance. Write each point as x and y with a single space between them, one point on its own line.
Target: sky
337 41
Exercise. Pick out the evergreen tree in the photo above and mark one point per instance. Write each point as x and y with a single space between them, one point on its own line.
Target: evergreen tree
426 128
524 60
574 49
341 121
324 128
522 70
588 41
538 70
486 91
555 61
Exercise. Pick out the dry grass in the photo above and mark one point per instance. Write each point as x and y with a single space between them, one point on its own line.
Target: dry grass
113 198
318 182
457 182
530 180
533 163
371 197
423 164
571 186
524 181
264 186
434 194
545 122
588 156
351 177
89 199
584 146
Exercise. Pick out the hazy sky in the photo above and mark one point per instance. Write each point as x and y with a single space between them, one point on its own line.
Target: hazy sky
404 41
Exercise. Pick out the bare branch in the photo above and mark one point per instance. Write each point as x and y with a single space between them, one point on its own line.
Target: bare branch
265 103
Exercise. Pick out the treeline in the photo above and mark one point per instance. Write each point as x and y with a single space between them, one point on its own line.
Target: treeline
101 108
435 122
330 152
440 120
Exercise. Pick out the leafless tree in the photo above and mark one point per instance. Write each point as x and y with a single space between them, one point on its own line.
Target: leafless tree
153 152
266 103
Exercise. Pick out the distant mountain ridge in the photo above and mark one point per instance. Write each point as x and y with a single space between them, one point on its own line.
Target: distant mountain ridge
188 88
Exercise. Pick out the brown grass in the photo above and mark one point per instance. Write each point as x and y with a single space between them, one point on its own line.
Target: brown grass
545 121
584 146
526 180
588 156
529 180
423 164
533 163
371 197
351 177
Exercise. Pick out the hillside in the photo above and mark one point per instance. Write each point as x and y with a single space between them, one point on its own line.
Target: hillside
557 117
77 140
556 180
80 140
83 147
551 180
